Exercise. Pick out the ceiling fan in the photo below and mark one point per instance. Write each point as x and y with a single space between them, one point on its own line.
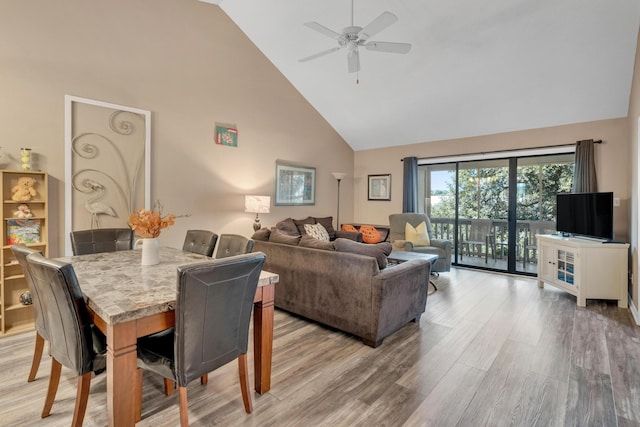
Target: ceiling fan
353 37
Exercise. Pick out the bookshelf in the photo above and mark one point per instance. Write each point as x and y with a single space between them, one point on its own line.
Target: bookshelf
14 316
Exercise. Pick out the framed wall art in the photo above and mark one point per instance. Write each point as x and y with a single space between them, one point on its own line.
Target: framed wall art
107 164
295 185
380 187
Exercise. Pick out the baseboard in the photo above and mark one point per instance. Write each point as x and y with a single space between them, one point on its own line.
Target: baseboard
634 312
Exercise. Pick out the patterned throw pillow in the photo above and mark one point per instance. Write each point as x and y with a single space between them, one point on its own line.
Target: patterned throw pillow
317 231
349 227
370 234
418 236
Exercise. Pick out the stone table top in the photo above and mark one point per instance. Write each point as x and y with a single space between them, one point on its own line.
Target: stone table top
119 289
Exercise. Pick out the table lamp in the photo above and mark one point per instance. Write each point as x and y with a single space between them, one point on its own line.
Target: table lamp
257 205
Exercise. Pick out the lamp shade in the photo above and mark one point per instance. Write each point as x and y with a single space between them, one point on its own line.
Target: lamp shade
257 204
338 175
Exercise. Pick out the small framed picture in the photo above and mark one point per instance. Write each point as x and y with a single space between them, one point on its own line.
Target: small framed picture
380 187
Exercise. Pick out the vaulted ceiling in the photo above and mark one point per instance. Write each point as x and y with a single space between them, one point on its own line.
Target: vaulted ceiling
475 67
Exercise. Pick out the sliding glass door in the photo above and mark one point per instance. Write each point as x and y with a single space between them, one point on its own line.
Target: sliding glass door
492 209
539 180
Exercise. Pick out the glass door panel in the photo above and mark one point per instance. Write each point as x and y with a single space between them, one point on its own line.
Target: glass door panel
483 207
438 185
539 179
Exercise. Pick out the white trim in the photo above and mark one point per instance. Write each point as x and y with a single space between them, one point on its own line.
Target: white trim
68 190
562 149
634 311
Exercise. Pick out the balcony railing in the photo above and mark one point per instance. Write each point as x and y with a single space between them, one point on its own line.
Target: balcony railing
444 228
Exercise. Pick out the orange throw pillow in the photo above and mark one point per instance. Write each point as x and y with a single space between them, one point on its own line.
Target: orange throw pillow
349 227
370 234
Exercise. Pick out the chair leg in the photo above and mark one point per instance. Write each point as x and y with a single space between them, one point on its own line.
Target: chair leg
184 407
168 387
37 356
54 380
82 397
244 383
204 379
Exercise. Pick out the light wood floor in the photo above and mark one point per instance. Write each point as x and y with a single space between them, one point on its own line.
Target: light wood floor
490 350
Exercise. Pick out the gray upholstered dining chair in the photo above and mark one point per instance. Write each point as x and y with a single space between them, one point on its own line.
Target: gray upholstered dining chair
101 240
20 252
74 341
200 242
233 244
213 310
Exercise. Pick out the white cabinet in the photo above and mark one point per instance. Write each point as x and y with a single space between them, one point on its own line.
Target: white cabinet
586 268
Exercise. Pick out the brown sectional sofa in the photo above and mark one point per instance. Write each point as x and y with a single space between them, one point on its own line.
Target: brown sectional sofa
347 291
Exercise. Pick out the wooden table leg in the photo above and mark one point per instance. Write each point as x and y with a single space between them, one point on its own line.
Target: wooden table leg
263 311
121 374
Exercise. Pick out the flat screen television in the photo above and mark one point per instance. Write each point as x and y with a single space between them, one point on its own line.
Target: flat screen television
585 214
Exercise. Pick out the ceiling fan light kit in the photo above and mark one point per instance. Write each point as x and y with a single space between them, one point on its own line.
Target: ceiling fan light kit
353 37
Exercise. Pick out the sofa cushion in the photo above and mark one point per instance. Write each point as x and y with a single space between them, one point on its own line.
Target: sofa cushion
309 242
327 223
370 234
418 235
278 236
262 234
379 251
350 228
287 226
317 231
300 223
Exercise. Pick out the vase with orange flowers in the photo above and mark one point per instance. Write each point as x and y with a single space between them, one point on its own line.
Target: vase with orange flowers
147 224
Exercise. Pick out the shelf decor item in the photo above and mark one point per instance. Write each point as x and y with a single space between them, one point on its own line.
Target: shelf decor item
25 159
25 298
23 231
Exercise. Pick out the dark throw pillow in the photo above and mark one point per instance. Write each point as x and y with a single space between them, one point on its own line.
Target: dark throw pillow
379 251
262 234
309 242
278 236
287 226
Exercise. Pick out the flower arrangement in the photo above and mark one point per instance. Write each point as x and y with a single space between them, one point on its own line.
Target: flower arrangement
148 223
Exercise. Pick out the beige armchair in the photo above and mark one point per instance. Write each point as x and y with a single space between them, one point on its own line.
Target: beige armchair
440 247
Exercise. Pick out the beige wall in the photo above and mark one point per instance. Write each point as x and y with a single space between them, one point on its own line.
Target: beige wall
189 64
634 141
612 165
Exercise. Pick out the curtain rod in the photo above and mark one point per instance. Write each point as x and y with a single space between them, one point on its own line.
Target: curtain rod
599 141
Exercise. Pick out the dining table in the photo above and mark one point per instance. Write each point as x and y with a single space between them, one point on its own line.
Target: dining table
127 300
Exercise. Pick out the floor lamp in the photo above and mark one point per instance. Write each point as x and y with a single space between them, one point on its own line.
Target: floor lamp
338 176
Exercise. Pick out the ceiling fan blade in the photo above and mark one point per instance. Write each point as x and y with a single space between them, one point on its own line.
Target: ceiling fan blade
322 29
319 54
353 61
377 25
389 47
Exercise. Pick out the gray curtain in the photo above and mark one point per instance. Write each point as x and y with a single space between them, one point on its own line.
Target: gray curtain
584 172
410 185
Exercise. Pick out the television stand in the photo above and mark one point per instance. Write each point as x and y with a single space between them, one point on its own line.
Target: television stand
586 268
